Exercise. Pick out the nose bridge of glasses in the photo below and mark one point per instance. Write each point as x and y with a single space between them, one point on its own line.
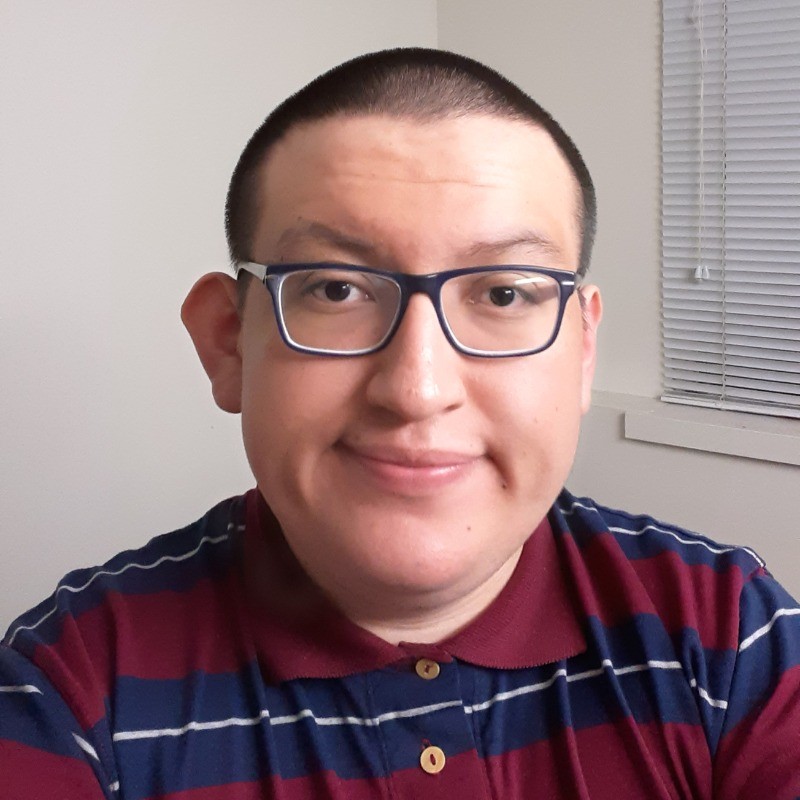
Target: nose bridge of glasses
421 284
429 285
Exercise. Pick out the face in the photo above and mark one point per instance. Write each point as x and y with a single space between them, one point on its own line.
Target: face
417 471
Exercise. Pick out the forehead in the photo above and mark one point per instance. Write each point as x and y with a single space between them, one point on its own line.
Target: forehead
442 185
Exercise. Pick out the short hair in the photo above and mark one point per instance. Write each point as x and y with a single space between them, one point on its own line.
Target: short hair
408 83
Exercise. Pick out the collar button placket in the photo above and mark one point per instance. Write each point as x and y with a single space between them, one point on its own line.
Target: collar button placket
426 734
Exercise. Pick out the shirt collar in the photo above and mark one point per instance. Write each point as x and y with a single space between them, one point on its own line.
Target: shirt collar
298 633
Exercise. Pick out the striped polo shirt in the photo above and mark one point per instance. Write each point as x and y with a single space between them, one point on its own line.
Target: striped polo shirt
624 659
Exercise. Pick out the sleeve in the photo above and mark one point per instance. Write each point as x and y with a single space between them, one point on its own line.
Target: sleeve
759 750
44 752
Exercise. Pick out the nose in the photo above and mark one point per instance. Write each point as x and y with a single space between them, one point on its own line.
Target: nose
419 374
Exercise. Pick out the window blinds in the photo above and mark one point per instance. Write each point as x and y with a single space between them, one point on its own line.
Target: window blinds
731 204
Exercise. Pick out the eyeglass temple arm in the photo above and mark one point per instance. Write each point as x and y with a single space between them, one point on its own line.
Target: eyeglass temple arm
257 270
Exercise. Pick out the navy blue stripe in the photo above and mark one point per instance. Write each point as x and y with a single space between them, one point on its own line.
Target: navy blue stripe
30 718
779 647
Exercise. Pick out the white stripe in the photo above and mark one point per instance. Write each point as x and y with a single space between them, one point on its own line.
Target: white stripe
571 678
26 688
589 673
719 549
765 629
122 736
671 665
522 690
707 697
576 504
99 573
85 746
114 787
307 713
668 665
648 665
576 676
368 722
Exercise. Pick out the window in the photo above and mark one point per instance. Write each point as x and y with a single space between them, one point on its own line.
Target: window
731 204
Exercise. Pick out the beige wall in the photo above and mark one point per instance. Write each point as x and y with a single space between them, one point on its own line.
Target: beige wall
596 67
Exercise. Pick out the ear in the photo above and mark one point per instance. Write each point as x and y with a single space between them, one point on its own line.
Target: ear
592 310
211 315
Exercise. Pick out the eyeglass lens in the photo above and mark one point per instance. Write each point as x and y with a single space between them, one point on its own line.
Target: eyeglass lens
346 310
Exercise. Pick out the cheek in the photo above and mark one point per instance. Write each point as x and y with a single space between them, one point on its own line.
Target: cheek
277 429
535 414
293 408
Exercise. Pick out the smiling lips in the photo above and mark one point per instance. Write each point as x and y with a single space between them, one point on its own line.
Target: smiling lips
411 472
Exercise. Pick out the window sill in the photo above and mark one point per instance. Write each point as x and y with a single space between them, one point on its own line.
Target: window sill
728 432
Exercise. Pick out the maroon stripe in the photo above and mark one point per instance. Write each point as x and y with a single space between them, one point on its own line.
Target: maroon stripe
156 636
463 776
27 773
614 589
696 596
614 761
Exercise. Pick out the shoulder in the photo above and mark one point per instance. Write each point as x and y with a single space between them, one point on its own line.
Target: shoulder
138 616
170 562
642 537
631 567
711 609
627 566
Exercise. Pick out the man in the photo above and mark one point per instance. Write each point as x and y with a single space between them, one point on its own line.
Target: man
408 605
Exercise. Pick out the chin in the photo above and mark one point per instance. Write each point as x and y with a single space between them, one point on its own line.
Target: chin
422 562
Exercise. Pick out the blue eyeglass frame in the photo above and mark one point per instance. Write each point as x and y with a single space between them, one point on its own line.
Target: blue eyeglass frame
273 275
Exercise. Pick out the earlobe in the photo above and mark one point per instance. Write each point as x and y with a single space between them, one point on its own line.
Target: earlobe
211 315
592 309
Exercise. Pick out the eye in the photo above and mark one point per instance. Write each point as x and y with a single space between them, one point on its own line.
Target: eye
502 295
504 290
337 289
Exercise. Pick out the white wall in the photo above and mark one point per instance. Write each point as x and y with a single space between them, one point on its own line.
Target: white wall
121 124
596 67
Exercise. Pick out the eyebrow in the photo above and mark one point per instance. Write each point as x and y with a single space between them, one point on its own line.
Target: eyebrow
319 232
527 238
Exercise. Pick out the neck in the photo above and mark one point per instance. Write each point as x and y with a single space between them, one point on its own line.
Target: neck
431 618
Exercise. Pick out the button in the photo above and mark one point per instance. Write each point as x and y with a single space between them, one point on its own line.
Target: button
427 669
432 759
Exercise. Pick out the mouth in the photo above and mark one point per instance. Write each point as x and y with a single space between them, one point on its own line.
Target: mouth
407 471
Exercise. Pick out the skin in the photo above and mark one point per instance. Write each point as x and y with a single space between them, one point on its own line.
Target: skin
406 481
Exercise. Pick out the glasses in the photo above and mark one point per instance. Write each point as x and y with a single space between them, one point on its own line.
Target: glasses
344 310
